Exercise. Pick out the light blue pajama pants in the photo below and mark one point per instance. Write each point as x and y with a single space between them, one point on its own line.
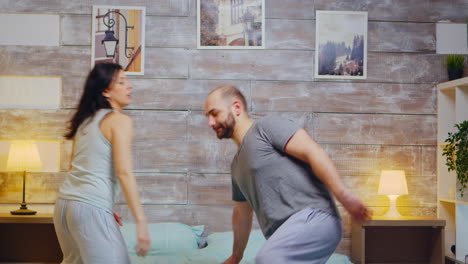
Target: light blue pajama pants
310 236
88 234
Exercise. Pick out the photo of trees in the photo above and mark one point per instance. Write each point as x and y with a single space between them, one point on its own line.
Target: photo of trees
341 44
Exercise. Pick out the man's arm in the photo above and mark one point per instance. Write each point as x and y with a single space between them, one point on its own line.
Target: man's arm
241 225
303 147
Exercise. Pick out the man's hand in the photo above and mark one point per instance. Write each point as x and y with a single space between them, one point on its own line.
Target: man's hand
232 260
242 215
118 219
355 207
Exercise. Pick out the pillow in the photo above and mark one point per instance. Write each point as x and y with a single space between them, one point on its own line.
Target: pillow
165 237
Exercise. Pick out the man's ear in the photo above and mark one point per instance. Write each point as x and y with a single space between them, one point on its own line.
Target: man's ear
237 107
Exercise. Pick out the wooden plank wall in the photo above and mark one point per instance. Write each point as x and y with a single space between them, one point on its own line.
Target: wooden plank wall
385 122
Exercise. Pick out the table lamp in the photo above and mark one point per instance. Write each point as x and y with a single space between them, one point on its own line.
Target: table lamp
23 156
393 184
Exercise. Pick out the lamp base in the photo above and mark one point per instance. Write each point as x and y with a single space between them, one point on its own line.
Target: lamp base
392 211
23 211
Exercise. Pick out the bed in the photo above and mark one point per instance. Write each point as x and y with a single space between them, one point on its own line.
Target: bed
177 243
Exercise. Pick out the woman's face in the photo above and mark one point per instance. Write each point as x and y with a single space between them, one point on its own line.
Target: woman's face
119 93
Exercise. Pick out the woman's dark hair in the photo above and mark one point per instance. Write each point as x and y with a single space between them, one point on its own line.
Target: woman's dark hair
98 80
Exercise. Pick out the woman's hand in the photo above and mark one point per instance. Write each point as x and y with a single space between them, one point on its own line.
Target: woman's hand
143 240
118 219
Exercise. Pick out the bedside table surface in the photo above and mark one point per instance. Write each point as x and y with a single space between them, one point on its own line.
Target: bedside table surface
7 218
405 221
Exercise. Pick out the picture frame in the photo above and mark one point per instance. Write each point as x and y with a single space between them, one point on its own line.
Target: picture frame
341 45
231 24
118 36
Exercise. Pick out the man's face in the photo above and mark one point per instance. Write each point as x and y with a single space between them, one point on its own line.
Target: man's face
220 117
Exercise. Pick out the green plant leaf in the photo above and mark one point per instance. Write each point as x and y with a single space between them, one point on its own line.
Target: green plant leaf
456 153
454 61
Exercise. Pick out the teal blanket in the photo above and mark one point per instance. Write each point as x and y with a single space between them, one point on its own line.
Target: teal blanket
218 249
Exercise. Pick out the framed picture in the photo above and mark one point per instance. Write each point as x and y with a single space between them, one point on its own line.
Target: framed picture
118 35
341 45
231 24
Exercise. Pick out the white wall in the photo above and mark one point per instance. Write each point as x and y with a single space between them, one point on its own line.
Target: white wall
451 38
29 29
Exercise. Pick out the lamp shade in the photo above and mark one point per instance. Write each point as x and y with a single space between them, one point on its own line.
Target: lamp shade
23 156
393 182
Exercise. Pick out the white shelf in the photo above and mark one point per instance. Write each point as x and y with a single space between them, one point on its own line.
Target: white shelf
450 85
453 201
452 108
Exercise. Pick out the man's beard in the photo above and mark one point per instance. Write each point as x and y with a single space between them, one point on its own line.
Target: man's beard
227 127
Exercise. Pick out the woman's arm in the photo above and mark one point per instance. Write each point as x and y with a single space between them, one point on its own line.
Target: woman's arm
120 129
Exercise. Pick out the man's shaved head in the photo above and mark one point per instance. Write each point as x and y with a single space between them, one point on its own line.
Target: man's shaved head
227 92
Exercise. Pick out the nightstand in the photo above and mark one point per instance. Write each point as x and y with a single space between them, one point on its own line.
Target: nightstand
398 240
28 238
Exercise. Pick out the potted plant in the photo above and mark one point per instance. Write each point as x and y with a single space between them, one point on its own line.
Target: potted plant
456 152
455 64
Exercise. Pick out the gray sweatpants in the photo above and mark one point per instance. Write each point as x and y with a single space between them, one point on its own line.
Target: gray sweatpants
310 236
88 234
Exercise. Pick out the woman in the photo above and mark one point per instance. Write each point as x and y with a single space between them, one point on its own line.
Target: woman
86 228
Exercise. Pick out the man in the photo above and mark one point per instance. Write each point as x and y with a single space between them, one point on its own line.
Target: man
285 177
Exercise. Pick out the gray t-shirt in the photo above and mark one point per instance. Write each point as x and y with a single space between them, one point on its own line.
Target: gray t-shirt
275 184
